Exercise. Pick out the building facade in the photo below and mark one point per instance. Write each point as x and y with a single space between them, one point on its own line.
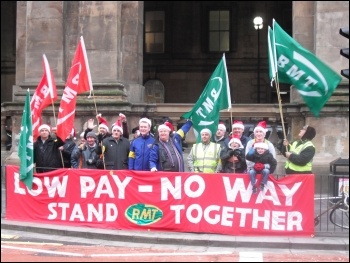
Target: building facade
154 58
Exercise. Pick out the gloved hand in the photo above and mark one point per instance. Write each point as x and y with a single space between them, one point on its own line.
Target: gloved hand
237 152
267 166
230 152
259 166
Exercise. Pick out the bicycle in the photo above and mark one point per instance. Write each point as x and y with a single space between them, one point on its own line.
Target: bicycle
339 214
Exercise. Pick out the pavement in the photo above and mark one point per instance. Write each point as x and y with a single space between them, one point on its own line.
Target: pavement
331 243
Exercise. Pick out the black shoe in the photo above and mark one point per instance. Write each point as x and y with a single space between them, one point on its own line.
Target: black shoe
261 187
255 190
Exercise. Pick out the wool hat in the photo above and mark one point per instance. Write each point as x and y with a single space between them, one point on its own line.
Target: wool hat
235 139
261 127
206 130
261 145
222 126
238 124
171 127
309 134
102 123
117 127
148 121
44 126
91 134
163 126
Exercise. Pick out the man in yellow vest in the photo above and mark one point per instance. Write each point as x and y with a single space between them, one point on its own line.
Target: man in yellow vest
205 156
300 153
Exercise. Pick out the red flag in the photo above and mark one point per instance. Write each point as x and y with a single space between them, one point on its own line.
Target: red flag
78 81
44 95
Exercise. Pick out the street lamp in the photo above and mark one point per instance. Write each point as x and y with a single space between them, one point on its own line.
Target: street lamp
258 24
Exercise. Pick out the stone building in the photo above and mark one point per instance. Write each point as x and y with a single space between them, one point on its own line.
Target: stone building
154 58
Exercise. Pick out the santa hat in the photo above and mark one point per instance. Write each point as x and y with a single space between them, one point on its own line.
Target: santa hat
119 120
117 127
261 127
102 123
238 124
163 126
206 130
235 139
221 126
148 121
44 126
261 145
171 127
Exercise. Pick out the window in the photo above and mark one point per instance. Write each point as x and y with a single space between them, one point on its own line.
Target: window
154 32
219 30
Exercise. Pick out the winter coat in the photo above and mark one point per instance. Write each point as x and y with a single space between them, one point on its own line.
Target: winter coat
265 158
116 153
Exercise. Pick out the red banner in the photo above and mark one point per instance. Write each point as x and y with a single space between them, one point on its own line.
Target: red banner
44 95
182 202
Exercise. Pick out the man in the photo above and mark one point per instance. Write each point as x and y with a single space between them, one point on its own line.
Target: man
85 156
220 136
205 156
140 147
115 150
238 130
46 154
166 153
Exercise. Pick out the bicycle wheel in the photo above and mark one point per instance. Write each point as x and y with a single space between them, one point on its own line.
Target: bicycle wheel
339 217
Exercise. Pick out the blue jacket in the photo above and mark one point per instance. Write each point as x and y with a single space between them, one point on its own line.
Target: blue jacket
139 153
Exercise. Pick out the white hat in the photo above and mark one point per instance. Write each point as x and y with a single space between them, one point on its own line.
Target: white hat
206 130
146 120
163 126
221 127
235 139
238 124
261 145
44 126
117 127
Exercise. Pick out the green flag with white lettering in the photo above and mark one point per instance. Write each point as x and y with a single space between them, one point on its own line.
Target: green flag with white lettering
215 97
25 146
314 80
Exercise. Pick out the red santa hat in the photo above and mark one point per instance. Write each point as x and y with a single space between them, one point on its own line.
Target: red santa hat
261 145
171 127
235 139
222 126
261 127
163 126
238 124
117 127
102 123
44 126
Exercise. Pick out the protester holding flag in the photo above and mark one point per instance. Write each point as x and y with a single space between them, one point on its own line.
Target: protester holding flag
67 149
205 155
300 153
233 157
85 156
46 153
259 137
166 153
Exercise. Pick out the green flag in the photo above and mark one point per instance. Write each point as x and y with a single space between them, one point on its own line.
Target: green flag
313 79
215 97
25 146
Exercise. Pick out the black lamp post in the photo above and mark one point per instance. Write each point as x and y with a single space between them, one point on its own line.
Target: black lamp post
258 24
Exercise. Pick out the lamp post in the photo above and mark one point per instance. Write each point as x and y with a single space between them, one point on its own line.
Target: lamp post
258 24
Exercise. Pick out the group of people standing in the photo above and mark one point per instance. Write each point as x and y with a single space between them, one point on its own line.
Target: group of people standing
221 153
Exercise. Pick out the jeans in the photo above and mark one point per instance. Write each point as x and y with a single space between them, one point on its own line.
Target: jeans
265 175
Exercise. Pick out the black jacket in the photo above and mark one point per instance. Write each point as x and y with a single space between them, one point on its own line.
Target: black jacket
265 158
46 155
